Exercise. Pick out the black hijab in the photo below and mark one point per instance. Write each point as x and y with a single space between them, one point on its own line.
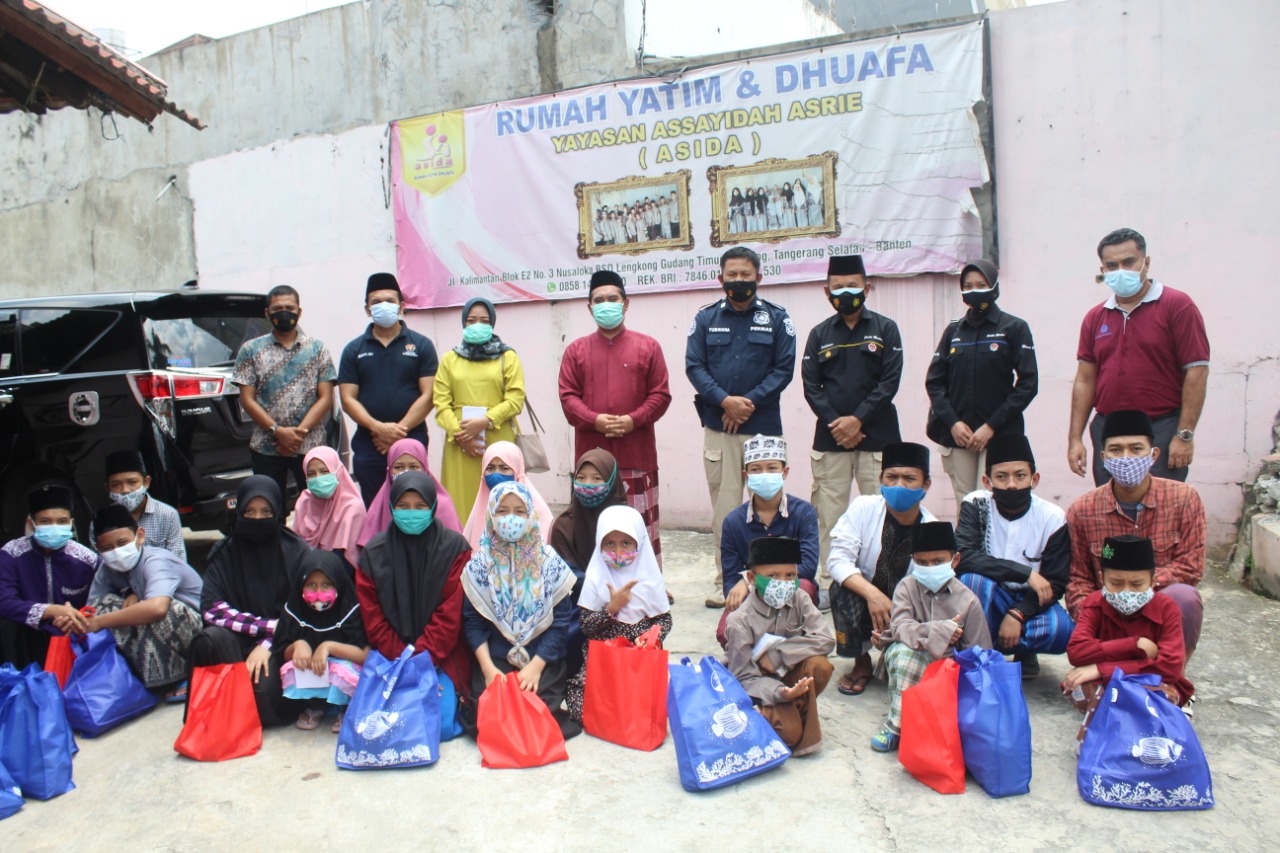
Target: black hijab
340 623
253 569
573 536
486 351
410 572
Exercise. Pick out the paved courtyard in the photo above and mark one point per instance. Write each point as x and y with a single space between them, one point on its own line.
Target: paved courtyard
135 792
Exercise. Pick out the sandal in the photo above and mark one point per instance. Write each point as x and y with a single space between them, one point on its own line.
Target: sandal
178 695
885 741
337 724
850 686
310 719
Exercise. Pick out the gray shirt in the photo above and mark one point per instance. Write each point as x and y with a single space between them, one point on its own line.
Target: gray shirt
157 573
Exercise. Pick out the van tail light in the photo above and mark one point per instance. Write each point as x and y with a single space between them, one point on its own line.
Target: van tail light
156 391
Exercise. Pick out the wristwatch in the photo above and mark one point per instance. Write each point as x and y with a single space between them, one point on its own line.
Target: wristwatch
1186 434
273 428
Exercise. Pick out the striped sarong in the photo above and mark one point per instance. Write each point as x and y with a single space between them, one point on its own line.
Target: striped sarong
642 496
157 653
904 666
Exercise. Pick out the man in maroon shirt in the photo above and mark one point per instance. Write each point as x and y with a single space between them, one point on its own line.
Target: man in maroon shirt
1144 348
613 388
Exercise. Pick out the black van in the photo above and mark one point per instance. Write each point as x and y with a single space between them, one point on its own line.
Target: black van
82 376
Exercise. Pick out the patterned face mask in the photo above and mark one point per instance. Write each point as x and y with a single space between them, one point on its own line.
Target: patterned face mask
320 599
1129 471
129 500
776 593
617 560
1128 602
511 527
591 495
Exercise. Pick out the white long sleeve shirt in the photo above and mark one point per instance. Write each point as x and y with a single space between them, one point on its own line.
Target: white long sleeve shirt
855 540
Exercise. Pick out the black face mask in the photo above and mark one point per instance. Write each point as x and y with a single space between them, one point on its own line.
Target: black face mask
283 321
256 529
1012 503
981 301
848 303
740 291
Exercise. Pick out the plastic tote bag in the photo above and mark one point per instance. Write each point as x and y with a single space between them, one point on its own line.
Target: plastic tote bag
222 715
10 794
995 728
625 698
59 658
720 738
930 747
101 691
515 729
450 725
1141 752
394 717
35 738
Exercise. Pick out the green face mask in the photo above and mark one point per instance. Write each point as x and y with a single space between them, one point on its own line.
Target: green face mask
608 314
775 593
323 486
477 333
412 521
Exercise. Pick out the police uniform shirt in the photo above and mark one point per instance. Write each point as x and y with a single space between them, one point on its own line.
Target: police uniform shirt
983 372
388 376
854 372
750 354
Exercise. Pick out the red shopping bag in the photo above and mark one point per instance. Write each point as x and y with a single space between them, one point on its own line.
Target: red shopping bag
625 698
222 716
59 658
515 727
930 747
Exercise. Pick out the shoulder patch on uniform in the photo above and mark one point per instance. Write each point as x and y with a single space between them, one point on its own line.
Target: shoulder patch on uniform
789 326
693 326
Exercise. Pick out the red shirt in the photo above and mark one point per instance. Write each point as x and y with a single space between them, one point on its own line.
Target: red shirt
441 636
1172 517
1104 637
623 375
1141 357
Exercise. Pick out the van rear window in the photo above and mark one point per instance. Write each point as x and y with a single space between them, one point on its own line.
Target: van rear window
199 341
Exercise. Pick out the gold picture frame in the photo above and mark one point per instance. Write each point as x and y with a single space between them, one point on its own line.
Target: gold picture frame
787 209
611 221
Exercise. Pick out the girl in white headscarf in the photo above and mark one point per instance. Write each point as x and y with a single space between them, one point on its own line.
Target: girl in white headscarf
623 594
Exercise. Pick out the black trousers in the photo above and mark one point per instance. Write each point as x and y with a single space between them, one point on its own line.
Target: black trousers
279 468
214 646
20 645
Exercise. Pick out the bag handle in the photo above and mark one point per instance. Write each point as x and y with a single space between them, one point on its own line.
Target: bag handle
528 404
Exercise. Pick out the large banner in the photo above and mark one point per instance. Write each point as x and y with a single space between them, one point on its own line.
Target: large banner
869 147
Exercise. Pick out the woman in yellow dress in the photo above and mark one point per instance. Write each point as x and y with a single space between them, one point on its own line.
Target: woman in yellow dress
480 371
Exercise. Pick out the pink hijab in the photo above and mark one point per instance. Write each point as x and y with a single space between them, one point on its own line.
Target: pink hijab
509 453
330 523
379 515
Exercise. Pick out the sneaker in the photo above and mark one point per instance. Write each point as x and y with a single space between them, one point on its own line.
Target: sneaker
1030 665
824 600
715 601
885 741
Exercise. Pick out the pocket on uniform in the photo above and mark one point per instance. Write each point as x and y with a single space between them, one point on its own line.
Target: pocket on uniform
712 454
817 455
944 450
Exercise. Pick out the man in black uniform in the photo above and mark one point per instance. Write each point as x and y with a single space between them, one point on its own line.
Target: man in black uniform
983 376
851 370
740 355
385 378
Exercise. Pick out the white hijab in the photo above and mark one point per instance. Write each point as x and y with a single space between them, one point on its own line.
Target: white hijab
649 596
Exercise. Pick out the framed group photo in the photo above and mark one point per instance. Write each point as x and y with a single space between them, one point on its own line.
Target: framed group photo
634 215
774 200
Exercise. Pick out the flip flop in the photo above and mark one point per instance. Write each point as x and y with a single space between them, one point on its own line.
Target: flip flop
337 724
855 685
309 720
179 694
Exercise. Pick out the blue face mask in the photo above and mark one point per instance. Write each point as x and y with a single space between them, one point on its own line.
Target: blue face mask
933 577
53 536
497 478
412 521
1124 283
901 498
765 485
385 314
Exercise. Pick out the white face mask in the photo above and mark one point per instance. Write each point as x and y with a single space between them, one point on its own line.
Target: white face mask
124 558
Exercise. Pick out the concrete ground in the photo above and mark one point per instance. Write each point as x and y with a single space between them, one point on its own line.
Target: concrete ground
134 790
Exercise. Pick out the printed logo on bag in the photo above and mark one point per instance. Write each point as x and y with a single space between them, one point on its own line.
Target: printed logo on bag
729 722
715 679
377 724
1158 751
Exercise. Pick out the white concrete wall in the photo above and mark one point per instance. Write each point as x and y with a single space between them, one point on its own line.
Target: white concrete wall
1107 113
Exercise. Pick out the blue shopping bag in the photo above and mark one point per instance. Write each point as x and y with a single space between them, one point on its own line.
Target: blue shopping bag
101 691
35 737
394 717
1141 752
995 728
450 725
10 794
720 739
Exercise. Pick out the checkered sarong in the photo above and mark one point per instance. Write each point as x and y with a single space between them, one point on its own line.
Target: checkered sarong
904 666
642 496
156 652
